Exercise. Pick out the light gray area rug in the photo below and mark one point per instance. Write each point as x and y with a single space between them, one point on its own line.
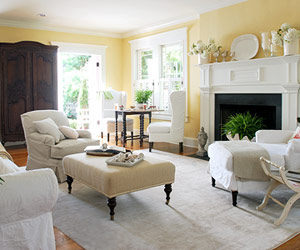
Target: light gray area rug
199 216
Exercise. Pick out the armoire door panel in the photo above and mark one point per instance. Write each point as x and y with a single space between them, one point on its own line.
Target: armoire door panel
44 80
16 91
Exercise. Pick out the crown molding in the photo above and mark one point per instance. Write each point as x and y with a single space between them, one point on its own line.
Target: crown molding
28 25
162 25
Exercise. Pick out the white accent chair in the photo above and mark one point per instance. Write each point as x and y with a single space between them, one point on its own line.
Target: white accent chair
108 117
41 148
27 199
170 131
282 151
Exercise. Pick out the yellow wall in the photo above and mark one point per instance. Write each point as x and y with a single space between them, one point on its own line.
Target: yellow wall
113 51
253 16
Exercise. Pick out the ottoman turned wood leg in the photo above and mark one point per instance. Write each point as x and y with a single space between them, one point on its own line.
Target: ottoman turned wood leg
168 190
111 203
69 181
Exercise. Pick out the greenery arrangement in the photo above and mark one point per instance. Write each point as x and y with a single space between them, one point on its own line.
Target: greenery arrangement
243 124
1 180
143 96
298 119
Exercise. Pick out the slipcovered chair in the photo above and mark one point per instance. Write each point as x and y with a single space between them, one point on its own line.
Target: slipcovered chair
27 200
108 122
170 131
44 151
282 149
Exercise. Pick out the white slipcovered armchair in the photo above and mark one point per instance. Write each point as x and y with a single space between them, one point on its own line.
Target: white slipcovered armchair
43 151
170 131
282 150
27 199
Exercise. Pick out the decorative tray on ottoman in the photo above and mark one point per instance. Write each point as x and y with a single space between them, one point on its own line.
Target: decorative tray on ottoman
125 159
104 150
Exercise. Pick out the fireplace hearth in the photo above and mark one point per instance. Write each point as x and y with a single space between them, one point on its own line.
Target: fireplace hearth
267 106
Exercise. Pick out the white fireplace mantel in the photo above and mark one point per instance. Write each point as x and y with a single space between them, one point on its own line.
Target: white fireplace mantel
273 75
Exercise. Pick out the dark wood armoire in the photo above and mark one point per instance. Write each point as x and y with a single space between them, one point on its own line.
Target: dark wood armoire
28 81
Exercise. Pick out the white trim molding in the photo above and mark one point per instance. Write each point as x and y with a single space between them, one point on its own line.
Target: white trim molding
35 26
273 75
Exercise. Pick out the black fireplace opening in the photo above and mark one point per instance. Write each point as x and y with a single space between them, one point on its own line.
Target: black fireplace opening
267 106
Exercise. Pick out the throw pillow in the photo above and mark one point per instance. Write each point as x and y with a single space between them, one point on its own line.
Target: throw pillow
7 166
49 127
296 135
69 132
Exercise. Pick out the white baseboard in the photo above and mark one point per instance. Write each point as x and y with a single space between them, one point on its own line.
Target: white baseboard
187 141
14 143
190 142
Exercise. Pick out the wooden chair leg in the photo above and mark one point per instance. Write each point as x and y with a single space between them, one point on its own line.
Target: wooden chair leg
107 136
101 135
150 146
131 135
180 147
234 197
213 182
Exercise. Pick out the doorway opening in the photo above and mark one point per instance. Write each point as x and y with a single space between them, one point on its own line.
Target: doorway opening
81 77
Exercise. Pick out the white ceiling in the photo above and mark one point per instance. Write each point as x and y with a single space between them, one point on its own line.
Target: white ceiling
117 18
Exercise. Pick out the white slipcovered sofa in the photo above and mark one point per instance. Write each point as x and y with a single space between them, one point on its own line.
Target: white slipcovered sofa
282 149
26 202
43 150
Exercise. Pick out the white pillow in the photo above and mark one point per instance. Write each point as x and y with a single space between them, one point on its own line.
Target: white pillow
49 127
69 132
7 166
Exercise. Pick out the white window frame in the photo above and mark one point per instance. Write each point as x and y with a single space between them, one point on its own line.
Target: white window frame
154 43
87 49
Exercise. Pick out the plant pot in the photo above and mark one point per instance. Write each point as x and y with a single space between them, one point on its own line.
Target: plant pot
140 105
291 48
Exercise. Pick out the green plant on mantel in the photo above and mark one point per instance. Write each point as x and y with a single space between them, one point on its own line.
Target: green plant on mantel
243 125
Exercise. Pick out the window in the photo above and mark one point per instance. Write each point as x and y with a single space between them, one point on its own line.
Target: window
159 64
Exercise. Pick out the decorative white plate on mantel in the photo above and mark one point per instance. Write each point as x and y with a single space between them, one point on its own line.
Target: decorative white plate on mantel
245 47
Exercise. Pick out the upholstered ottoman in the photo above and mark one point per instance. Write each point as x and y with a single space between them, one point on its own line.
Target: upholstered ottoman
113 181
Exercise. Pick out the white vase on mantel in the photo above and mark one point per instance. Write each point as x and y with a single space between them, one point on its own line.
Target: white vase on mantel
203 60
291 48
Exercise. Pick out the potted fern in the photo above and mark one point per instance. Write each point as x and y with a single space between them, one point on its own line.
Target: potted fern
242 126
142 97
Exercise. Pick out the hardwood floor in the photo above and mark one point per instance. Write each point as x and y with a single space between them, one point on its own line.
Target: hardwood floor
63 242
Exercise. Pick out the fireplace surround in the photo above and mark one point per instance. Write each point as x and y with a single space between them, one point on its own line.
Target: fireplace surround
276 76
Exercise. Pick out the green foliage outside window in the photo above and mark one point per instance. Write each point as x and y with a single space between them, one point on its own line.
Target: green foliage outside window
75 88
